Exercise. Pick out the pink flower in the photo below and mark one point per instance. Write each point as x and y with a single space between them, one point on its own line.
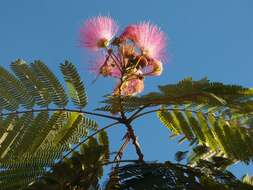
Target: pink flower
131 86
155 68
97 32
129 33
106 67
149 38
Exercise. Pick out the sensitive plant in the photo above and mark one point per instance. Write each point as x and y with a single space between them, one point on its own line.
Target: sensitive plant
50 141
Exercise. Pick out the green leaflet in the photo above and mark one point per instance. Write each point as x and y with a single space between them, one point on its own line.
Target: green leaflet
187 91
35 84
212 115
217 129
16 178
166 119
164 176
86 165
74 84
221 131
196 127
20 127
35 87
8 136
5 123
184 125
89 123
29 134
75 126
247 179
210 93
46 137
14 90
51 83
104 141
7 100
68 129
203 121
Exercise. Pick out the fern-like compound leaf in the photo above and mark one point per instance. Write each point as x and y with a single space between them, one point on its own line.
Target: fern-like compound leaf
74 84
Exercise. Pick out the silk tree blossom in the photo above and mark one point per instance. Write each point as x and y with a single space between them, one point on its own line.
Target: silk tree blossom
97 32
129 33
155 68
106 67
130 87
138 52
127 50
149 38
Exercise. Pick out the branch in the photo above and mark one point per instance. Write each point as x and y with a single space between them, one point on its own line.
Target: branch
135 141
121 161
132 135
122 148
167 109
137 112
61 110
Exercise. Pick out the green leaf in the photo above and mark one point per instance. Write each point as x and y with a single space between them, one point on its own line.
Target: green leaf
13 90
185 92
104 140
32 83
51 83
33 139
223 132
74 84
166 119
67 131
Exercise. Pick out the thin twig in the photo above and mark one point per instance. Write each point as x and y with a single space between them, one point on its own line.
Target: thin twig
121 161
61 110
167 109
135 141
123 147
113 54
115 61
137 112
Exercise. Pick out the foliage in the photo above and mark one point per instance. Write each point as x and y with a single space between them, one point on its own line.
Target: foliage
82 171
220 132
32 135
222 129
247 179
187 92
39 130
208 114
165 176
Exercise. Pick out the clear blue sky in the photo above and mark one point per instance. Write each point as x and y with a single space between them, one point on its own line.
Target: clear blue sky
206 38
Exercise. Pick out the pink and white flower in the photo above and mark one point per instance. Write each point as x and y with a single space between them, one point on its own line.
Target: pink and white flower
129 33
138 52
149 38
132 87
106 67
97 32
154 68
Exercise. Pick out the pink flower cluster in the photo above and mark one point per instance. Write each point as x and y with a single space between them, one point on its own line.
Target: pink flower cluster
136 53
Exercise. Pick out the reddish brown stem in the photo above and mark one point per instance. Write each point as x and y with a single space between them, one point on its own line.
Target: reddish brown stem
122 148
135 141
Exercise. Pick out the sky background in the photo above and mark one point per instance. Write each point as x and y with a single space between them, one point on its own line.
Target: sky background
205 38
